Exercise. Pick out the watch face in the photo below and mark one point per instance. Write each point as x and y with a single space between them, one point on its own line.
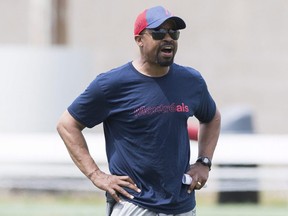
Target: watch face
206 160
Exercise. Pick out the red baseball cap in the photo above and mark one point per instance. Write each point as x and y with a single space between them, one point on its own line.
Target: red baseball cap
154 17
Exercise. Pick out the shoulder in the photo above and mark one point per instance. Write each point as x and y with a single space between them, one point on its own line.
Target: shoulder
116 79
188 73
115 73
185 70
114 76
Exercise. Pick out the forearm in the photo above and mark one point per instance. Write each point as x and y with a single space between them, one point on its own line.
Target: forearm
208 136
70 131
71 134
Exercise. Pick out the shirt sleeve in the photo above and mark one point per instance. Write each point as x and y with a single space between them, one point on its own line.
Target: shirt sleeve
91 107
207 107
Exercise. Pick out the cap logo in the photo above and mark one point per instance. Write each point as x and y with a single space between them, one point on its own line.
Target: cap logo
168 13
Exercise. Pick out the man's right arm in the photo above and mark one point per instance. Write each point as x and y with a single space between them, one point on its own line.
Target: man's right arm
70 131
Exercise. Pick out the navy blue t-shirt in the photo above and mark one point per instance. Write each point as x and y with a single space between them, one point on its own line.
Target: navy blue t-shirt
145 126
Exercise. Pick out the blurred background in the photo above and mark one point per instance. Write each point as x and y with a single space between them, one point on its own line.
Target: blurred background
50 50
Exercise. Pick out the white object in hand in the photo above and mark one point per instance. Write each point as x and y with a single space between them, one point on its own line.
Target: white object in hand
186 179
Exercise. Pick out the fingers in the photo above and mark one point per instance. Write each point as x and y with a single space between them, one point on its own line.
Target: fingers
199 174
200 185
196 185
115 186
117 191
114 195
128 182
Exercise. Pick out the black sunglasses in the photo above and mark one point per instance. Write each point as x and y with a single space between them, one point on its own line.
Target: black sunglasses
159 34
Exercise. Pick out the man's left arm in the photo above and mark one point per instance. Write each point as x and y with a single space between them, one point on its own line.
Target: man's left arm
207 141
208 136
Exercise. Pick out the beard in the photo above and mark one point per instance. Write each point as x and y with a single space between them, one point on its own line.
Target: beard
165 61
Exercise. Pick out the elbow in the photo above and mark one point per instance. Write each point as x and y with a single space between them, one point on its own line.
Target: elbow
62 123
217 121
68 123
217 116
60 126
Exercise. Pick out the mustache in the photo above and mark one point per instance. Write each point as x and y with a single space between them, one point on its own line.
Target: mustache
167 43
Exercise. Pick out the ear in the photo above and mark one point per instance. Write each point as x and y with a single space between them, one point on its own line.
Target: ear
138 40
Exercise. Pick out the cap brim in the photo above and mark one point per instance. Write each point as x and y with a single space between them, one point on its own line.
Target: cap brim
180 24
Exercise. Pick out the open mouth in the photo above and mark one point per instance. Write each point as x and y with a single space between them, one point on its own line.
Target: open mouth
167 50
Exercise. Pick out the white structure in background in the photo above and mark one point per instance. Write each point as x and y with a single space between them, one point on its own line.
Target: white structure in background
41 161
37 84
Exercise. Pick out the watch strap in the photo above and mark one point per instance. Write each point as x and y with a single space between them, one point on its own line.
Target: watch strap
205 161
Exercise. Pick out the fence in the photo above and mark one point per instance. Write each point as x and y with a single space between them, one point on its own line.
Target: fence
242 163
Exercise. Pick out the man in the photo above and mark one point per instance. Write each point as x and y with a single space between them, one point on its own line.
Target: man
144 106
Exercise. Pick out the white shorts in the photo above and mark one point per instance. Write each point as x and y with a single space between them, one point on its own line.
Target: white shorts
129 209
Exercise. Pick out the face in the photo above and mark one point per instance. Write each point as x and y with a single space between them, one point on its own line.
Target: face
157 49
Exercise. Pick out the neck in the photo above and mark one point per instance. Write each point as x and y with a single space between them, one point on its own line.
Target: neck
151 70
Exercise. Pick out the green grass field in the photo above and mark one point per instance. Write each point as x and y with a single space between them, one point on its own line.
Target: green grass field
87 205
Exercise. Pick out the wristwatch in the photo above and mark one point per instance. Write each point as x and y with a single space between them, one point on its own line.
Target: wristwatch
205 161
